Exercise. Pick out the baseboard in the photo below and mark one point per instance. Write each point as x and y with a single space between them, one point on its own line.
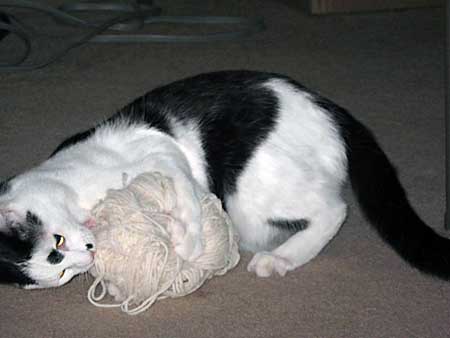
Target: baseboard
342 6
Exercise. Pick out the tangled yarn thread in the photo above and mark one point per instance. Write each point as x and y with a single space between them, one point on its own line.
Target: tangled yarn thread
135 260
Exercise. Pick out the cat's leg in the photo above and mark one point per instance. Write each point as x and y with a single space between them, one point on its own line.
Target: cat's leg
186 234
304 245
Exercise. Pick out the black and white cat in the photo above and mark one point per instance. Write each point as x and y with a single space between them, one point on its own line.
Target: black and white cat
275 153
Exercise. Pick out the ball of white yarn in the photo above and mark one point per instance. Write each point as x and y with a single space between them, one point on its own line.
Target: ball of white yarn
135 261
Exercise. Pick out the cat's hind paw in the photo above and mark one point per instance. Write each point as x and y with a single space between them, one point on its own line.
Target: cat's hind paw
264 264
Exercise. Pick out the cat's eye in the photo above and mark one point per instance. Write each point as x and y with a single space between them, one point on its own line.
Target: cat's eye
61 274
59 240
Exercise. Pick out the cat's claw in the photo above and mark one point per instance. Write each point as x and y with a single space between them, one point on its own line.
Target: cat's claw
264 264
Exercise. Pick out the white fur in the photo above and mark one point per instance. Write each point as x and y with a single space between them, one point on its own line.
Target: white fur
62 190
296 173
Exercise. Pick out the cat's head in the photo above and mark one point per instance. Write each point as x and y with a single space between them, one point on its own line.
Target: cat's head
43 242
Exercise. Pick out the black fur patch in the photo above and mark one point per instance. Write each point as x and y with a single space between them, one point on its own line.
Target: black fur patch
74 139
235 113
13 274
16 247
145 110
55 257
4 187
292 226
32 219
28 230
14 254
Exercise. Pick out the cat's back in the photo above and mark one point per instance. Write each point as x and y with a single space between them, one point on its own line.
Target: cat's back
220 119
230 113
206 98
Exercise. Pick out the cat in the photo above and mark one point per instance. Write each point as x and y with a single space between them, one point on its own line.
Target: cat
276 153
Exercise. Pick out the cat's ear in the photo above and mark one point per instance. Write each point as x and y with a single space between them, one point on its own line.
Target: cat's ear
9 217
14 223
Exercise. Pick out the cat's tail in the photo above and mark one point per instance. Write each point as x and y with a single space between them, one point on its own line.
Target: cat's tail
384 202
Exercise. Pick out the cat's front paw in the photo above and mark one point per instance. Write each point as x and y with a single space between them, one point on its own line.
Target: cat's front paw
264 264
188 245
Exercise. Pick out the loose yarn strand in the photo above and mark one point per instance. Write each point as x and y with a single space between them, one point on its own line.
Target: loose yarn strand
95 300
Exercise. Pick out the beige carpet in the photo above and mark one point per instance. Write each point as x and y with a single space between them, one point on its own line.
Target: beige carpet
387 68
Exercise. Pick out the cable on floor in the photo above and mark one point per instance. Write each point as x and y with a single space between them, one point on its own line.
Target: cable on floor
131 16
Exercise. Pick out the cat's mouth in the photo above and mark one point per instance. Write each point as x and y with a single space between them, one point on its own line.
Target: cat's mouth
86 264
78 270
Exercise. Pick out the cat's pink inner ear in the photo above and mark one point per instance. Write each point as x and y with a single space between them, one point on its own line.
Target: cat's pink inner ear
90 223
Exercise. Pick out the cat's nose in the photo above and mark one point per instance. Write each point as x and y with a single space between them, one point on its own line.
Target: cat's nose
89 246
